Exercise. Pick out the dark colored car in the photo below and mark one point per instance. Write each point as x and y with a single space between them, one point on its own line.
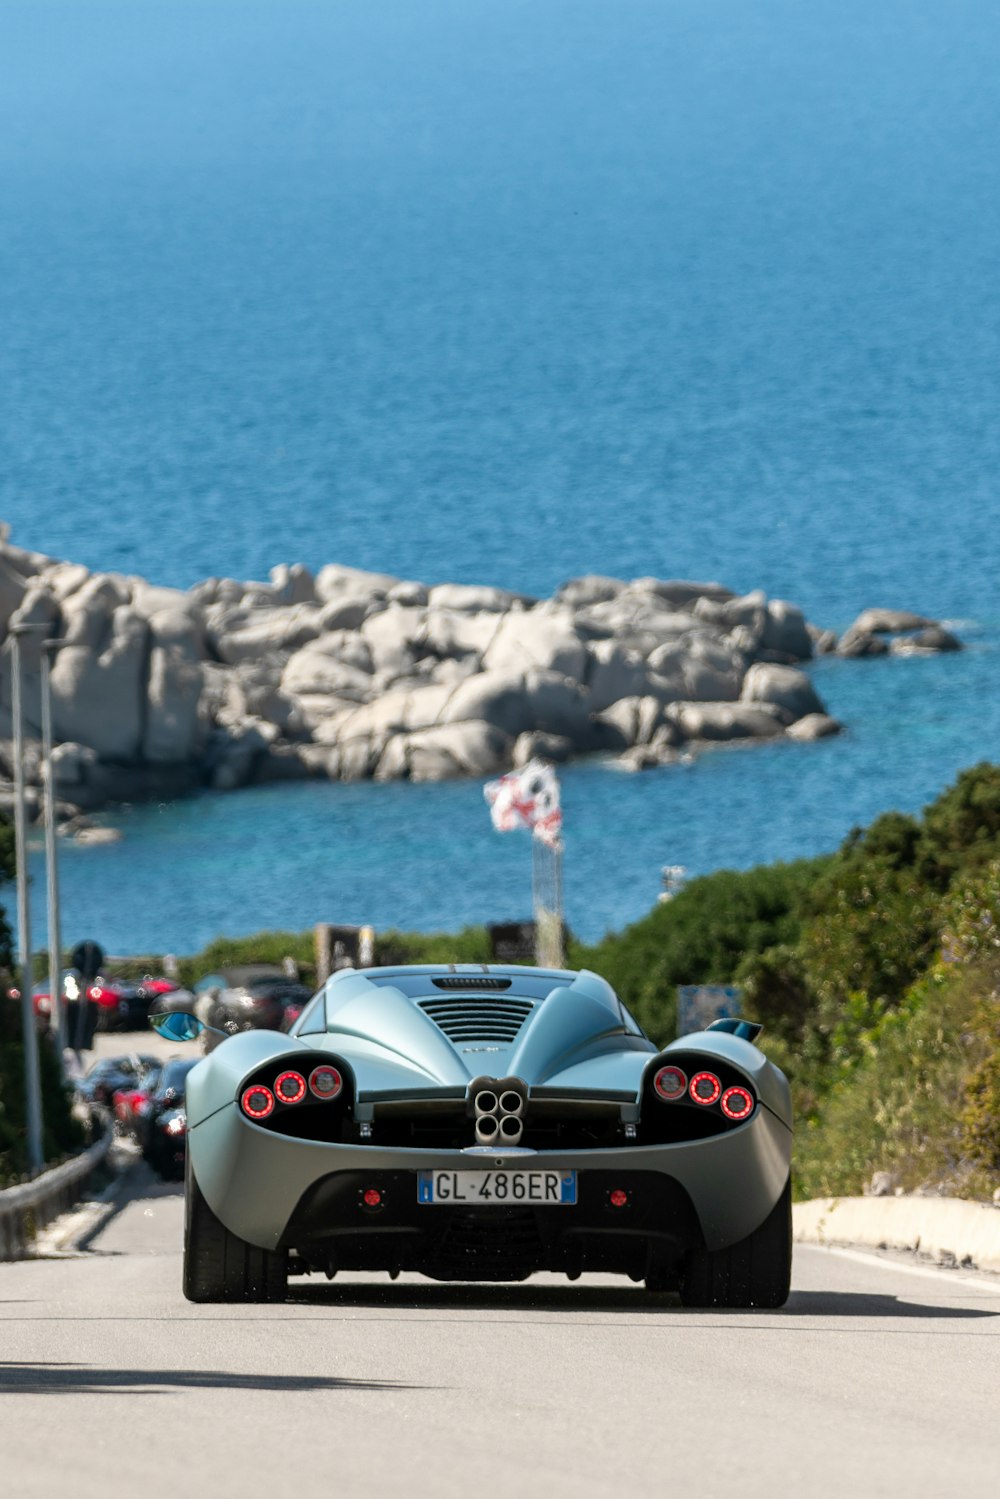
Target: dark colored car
258 997
111 1074
162 1126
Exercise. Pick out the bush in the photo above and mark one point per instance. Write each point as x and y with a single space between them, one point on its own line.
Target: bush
898 1106
703 935
62 1132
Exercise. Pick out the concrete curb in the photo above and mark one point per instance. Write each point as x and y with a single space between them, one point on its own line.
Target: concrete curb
948 1229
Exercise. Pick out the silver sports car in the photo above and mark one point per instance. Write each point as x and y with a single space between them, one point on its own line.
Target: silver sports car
483 1123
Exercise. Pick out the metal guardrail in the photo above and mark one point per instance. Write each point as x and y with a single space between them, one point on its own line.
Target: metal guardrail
27 1208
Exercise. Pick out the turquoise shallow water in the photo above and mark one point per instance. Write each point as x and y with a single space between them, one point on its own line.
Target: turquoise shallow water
508 293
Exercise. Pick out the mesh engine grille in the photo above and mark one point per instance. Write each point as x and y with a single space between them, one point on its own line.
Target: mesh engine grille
471 1018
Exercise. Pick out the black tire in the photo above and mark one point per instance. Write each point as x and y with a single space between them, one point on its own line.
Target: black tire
220 1267
755 1272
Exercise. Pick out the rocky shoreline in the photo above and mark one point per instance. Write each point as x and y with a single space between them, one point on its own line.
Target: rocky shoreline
350 675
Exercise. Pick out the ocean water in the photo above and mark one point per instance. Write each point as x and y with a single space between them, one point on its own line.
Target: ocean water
507 293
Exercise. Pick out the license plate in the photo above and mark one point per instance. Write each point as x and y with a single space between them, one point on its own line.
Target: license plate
497 1188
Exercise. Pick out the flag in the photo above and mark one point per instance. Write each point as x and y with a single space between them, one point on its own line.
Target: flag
527 798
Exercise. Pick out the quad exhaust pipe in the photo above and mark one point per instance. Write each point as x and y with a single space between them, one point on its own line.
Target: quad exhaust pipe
499 1112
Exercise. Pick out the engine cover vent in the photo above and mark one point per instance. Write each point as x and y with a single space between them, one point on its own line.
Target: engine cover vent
470 981
468 1018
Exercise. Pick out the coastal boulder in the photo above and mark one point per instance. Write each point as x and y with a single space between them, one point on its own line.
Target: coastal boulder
292 585
99 688
392 638
932 641
726 720
335 665
889 622
237 637
400 712
12 588
441 753
243 748
614 673
448 634
544 639
338 582
555 748
174 729
813 726
785 632
469 599
637 720
148 600
855 643
781 687
581 593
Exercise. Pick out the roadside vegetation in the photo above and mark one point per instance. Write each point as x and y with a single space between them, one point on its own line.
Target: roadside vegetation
876 971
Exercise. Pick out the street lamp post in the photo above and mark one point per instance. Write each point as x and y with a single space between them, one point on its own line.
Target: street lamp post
51 860
32 1081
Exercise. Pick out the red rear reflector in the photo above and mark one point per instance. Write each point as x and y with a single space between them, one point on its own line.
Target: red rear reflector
290 1087
705 1087
670 1083
372 1198
618 1198
257 1101
325 1082
737 1103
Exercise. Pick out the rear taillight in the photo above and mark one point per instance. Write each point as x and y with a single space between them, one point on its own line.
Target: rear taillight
670 1083
705 1088
737 1103
325 1082
290 1087
257 1101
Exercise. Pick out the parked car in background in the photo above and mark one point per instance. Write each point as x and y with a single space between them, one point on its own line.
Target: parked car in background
153 986
131 1103
110 1074
257 997
121 1004
161 1127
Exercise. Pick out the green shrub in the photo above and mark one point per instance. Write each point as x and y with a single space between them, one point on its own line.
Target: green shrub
702 935
62 1132
897 1105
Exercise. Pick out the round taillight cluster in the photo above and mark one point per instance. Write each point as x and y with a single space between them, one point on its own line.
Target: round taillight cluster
704 1088
258 1101
670 1083
291 1087
737 1103
325 1082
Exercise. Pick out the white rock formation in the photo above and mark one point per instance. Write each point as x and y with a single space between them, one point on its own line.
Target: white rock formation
353 674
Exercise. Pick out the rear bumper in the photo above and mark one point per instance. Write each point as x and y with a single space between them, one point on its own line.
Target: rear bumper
333 1229
278 1192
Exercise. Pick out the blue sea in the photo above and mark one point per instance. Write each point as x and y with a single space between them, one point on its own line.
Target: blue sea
500 291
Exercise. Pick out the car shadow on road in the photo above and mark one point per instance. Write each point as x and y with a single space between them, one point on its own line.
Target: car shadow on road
633 1301
62 1379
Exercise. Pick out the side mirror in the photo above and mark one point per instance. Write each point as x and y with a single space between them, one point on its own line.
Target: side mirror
177 1025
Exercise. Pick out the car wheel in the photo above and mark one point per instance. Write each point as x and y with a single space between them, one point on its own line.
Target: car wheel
755 1272
218 1266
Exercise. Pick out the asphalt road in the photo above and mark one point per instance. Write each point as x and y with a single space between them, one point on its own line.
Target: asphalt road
876 1379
